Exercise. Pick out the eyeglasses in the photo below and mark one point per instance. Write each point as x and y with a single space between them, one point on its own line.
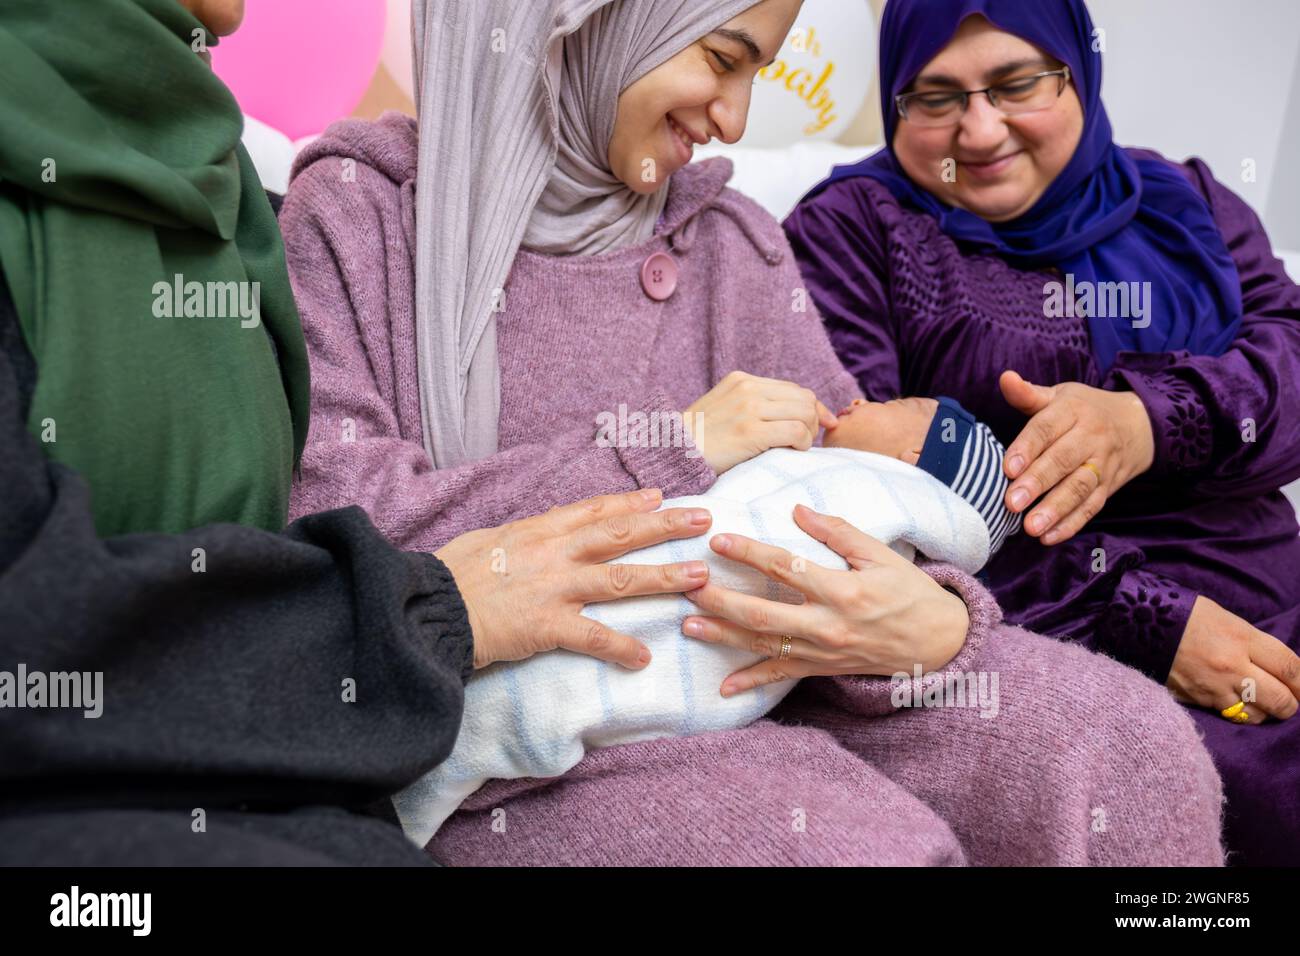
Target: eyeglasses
1027 94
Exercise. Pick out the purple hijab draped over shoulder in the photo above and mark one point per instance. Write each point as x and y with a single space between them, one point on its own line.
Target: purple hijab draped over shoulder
1108 217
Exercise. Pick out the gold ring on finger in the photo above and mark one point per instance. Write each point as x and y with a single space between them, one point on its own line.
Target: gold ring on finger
1236 713
1092 468
786 644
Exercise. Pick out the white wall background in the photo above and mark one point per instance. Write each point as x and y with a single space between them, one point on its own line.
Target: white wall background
1283 212
1216 79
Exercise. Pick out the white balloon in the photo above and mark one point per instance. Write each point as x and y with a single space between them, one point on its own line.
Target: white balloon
820 79
397 46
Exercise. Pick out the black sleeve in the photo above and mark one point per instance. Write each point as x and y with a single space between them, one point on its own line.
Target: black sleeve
238 667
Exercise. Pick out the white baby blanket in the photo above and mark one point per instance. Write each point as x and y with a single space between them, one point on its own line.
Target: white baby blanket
538 717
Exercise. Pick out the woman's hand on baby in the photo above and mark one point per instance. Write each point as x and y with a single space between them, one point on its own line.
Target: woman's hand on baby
525 583
1222 659
1081 445
744 415
882 616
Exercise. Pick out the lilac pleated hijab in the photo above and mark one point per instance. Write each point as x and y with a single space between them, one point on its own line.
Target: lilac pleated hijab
1106 218
517 101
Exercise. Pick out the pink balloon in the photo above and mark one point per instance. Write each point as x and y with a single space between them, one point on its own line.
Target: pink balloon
397 46
298 65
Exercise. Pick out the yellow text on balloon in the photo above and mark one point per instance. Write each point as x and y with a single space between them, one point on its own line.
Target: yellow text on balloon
815 93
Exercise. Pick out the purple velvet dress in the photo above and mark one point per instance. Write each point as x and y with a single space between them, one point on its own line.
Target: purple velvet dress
911 312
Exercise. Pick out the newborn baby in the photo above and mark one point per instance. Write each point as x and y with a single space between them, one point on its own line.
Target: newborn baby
538 717
942 438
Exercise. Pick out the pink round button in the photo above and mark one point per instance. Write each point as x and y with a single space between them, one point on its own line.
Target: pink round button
659 276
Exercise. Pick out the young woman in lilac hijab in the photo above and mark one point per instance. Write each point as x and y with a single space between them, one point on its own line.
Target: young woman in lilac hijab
476 287
1003 250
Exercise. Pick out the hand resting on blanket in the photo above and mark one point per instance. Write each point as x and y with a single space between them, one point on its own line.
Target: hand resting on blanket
537 718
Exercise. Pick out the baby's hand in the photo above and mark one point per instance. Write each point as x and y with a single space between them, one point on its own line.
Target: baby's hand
896 428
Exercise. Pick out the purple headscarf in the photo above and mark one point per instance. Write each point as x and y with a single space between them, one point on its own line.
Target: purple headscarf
1108 216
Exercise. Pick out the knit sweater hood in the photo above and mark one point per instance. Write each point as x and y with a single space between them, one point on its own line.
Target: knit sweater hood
390 147
387 146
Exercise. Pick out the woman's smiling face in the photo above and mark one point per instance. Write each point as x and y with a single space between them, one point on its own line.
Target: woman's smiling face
1003 164
700 94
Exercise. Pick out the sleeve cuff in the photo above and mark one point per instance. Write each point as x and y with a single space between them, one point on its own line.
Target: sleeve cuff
874 696
446 617
662 457
1144 623
1180 422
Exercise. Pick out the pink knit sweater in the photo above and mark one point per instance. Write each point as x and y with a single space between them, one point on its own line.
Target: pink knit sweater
578 336
1087 762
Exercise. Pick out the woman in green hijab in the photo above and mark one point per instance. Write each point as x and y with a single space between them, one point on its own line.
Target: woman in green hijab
153 385
146 267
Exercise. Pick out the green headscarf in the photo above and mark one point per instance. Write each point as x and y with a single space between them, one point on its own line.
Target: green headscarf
120 169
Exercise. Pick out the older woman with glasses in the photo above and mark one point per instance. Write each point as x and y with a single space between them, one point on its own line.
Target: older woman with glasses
1120 321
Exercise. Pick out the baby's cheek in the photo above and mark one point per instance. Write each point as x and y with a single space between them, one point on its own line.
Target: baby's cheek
849 434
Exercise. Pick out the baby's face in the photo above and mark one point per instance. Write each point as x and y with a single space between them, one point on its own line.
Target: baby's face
896 428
